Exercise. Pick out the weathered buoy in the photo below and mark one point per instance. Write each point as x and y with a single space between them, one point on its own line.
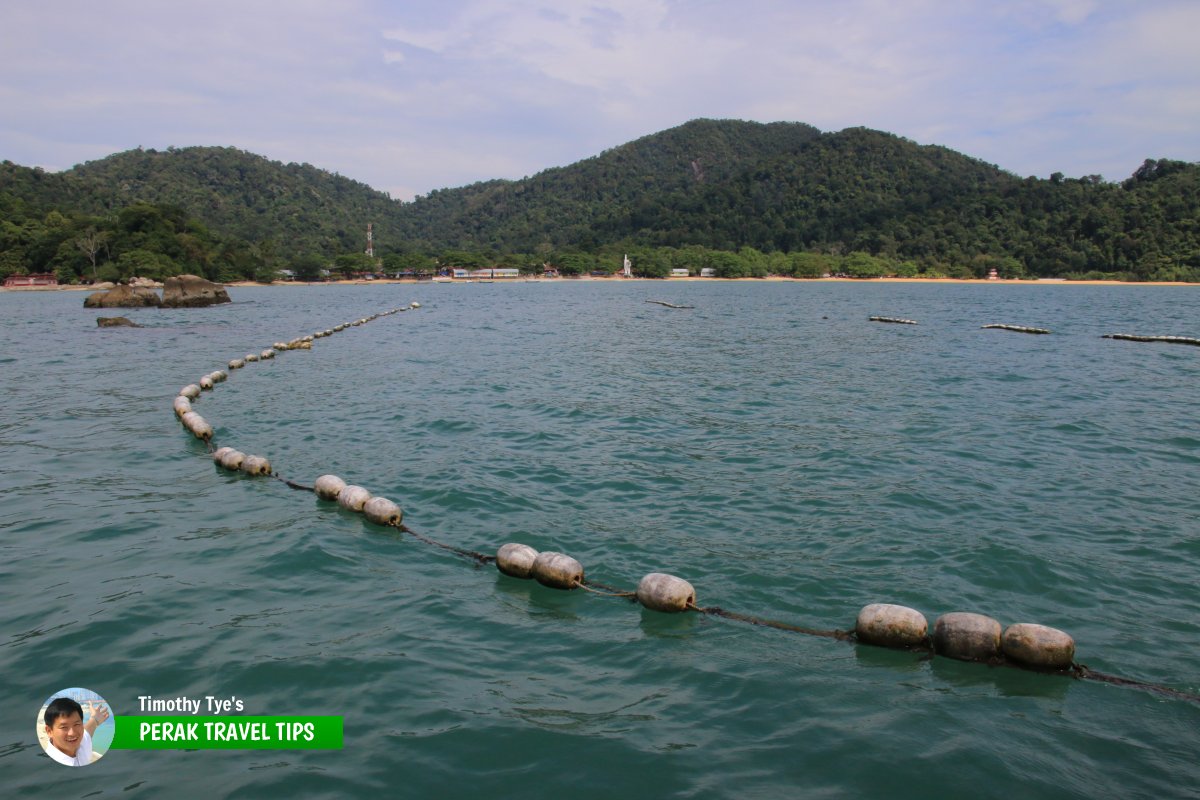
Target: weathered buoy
280 346
206 383
382 511
236 363
250 357
966 636
219 375
889 625
516 559
256 465
233 460
267 354
221 452
191 391
328 486
414 304
197 425
182 405
304 346
353 498
1038 646
1017 328
661 592
557 571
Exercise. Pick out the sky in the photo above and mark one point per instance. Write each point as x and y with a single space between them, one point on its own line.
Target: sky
410 97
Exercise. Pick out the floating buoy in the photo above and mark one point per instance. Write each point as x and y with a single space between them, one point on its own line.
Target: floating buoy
219 375
557 571
1017 328
182 406
889 625
250 358
197 425
414 304
304 346
382 511
191 391
1038 646
256 465
328 486
353 498
220 453
965 636
516 560
267 354
661 592
232 460
280 346
206 383
1129 337
237 363
894 320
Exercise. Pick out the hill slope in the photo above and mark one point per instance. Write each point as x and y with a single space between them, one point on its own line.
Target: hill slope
720 184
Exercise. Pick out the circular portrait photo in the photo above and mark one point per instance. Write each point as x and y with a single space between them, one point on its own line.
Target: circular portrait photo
75 727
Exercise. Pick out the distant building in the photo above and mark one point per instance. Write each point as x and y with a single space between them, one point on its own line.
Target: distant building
993 275
39 279
680 272
708 272
494 272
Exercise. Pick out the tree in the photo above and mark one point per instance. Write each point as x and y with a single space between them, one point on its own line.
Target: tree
307 268
90 243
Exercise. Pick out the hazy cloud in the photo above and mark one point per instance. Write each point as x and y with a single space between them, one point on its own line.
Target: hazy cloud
410 97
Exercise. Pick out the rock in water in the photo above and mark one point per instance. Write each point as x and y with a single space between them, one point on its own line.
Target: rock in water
191 291
123 297
115 322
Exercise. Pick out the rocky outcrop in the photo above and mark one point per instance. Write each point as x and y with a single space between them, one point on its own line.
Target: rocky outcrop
149 283
192 291
124 297
116 322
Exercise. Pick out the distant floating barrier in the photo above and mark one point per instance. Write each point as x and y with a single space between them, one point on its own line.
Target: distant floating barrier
1016 328
668 305
1129 337
959 635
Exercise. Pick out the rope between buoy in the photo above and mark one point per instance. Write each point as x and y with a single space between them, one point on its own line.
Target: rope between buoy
481 558
1083 672
585 585
715 611
293 484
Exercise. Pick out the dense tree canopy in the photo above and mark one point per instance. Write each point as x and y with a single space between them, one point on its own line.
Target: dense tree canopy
743 199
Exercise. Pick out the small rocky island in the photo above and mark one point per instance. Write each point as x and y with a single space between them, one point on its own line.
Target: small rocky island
183 291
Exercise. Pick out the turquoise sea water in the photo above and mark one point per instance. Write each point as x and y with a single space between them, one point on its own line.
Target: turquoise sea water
788 457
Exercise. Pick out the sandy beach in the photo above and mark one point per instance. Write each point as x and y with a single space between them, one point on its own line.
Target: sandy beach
773 278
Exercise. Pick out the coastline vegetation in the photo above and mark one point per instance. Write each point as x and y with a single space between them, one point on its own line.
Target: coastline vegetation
739 199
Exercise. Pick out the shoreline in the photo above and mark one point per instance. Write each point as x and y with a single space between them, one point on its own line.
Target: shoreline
661 281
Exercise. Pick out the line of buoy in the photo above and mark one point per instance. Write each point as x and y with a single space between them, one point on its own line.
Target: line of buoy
959 635
1017 328
1129 337
893 320
668 305
227 457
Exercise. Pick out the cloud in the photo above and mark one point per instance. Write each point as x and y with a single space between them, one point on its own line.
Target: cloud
422 95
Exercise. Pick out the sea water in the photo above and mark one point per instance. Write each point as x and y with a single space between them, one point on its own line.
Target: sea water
789 458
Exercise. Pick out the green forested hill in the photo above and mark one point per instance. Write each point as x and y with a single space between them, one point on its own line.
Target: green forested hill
745 198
